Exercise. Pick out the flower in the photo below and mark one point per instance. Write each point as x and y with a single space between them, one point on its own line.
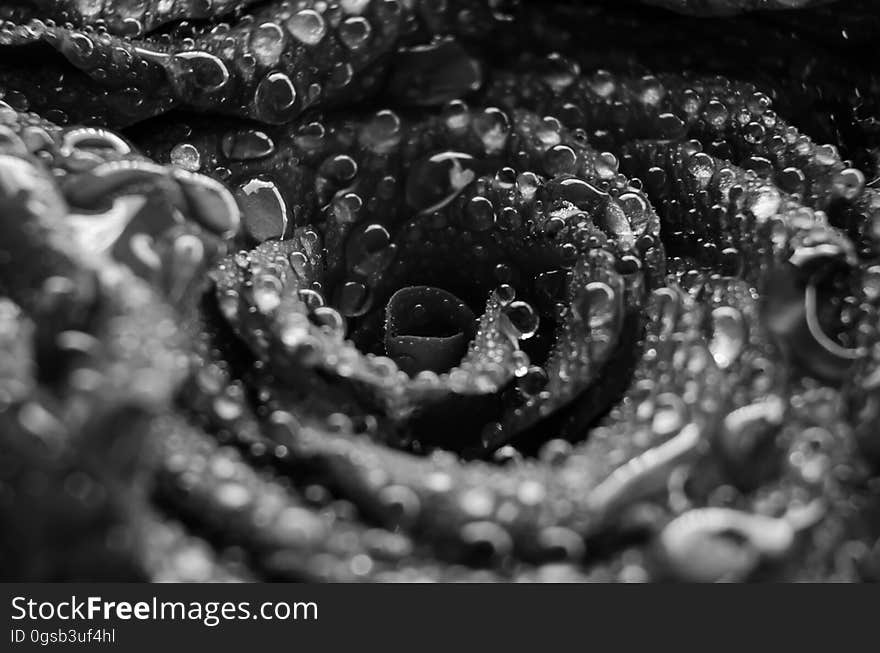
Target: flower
478 313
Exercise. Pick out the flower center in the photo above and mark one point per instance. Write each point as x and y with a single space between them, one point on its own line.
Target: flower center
427 328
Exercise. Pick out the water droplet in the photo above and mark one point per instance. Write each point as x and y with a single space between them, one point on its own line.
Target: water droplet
754 133
247 145
582 194
670 414
602 83
275 98
352 298
493 127
354 7
401 502
766 204
598 304
558 72
329 319
849 183
197 75
519 320
652 90
480 213
506 293
311 298
263 209
429 75
89 9
533 381
509 219
521 363
717 114
267 293
792 180
382 132
79 49
434 182
560 160
477 502
307 26
346 207
702 167
671 127
232 495
728 336
355 32
267 43
186 156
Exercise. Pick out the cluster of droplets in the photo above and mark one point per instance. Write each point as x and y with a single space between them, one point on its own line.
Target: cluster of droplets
524 208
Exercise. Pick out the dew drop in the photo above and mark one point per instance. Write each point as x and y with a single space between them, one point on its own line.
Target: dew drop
559 160
480 213
382 132
520 321
702 167
311 298
355 32
352 298
597 304
275 98
716 114
429 75
267 293
198 74
767 204
434 182
307 26
670 414
263 209
186 156
329 319
849 183
558 72
728 336
267 43
493 127
246 145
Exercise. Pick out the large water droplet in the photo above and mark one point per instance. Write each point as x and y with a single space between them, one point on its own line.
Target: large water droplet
702 167
267 293
849 183
670 414
355 32
480 213
369 250
275 98
519 320
767 204
435 73
263 208
434 182
329 319
728 336
382 132
307 26
493 128
267 43
186 156
246 145
197 75
352 298
597 304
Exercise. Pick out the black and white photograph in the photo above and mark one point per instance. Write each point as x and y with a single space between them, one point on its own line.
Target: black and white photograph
435 291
